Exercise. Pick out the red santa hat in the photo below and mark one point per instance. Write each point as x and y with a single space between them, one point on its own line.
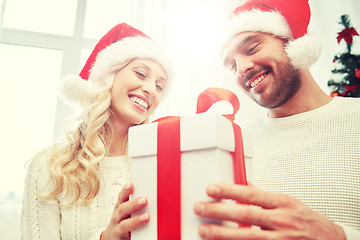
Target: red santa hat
122 43
287 19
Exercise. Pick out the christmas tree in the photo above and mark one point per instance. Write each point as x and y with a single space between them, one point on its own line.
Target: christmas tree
346 80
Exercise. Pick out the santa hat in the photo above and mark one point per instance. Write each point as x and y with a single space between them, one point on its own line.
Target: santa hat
287 19
122 43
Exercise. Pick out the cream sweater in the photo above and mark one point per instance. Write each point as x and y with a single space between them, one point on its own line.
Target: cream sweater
314 156
46 220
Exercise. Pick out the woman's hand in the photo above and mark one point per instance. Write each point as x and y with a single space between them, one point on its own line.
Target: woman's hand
122 223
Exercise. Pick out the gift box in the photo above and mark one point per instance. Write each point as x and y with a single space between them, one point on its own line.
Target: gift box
174 160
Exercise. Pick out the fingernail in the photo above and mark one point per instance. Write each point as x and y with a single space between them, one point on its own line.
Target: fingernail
213 190
199 208
203 231
142 200
144 217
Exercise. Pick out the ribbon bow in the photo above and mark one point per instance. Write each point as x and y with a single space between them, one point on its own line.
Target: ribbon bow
212 95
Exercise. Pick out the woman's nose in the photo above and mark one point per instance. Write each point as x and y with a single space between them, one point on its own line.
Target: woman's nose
149 87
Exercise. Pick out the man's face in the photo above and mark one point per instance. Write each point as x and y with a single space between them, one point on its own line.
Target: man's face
262 68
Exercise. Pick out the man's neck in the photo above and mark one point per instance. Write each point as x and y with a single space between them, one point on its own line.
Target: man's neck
309 97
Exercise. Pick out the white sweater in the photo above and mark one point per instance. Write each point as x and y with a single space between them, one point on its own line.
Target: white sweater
314 156
46 220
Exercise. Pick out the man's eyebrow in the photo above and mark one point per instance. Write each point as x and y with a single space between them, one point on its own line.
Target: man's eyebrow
246 40
241 43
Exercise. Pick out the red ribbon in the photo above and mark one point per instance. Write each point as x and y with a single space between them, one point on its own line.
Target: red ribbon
169 165
169 179
205 100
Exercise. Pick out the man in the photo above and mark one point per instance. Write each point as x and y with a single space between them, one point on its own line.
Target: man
306 150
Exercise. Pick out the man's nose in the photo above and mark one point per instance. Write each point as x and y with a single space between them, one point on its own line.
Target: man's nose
243 65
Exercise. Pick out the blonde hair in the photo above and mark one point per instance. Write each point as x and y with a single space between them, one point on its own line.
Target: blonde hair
73 163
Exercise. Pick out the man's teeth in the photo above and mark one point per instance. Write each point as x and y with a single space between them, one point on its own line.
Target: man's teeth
140 102
257 81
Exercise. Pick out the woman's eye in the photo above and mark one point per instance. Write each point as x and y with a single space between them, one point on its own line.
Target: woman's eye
159 87
140 74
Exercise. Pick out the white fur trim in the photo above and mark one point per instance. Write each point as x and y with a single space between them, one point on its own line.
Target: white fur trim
304 51
259 21
127 49
72 89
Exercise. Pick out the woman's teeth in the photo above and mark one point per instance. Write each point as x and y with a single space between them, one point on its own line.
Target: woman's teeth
140 102
258 80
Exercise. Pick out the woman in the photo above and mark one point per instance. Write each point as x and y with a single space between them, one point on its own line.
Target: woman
79 188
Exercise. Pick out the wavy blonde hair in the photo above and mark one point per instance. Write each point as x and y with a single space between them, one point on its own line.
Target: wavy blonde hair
74 162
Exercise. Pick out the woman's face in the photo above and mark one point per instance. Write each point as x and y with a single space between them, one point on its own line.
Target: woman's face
137 90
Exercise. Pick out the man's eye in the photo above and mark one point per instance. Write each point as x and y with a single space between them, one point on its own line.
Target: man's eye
140 74
233 68
251 50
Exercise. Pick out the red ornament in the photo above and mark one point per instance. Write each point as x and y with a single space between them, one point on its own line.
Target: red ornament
357 73
334 94
347 34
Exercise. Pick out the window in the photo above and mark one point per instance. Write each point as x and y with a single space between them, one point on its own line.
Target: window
42 41
27 101
41 16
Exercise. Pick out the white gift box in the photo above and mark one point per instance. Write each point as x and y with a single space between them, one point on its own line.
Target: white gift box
206 144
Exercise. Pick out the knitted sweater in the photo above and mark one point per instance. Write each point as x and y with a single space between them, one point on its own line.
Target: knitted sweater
315 157
46 220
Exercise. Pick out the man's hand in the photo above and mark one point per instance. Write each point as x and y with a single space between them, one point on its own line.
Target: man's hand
279 216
